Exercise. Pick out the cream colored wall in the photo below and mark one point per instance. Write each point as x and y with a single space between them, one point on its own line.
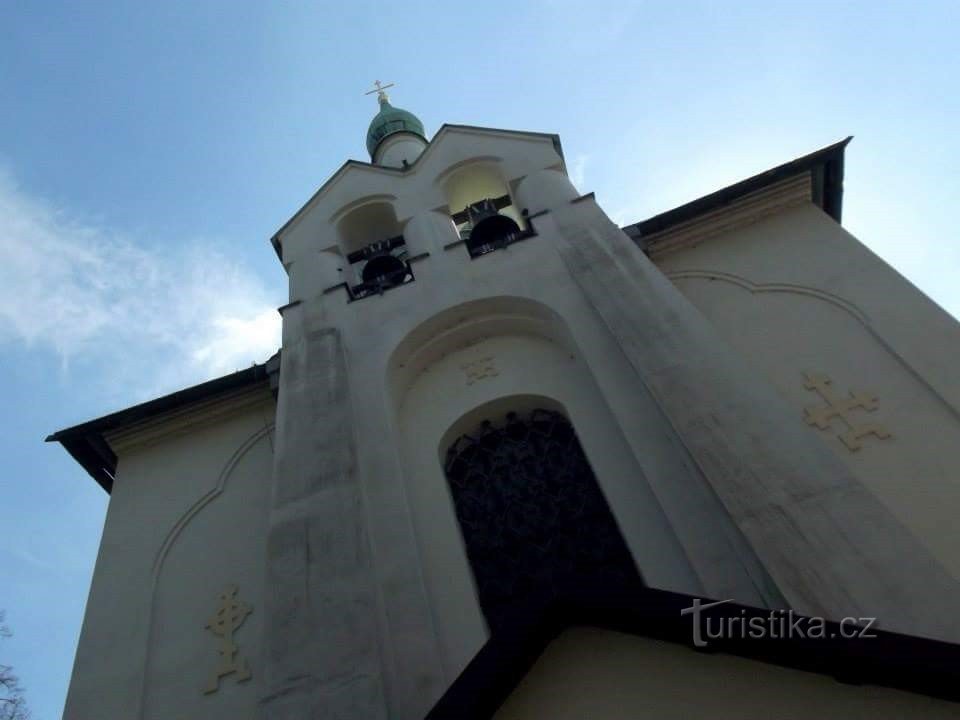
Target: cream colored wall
796 293
592 673
186 518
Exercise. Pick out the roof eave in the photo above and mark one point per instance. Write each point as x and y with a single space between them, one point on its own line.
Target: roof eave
825 166
87 444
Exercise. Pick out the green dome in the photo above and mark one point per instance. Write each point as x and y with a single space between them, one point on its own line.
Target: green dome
391 120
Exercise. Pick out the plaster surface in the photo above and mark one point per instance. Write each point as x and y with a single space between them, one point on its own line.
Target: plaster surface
169 547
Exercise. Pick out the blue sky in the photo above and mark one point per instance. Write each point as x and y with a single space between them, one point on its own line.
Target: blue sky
149 150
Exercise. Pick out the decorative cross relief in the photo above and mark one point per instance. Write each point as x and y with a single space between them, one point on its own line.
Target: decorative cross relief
479 370
227 618
841 407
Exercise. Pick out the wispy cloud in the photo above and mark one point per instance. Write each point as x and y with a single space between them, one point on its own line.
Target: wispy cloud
82 292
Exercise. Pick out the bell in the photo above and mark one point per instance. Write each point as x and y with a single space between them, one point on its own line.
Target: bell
492 232
384 270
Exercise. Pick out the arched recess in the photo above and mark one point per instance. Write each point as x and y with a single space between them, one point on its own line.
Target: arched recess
488 356
217 542
481 204
371 239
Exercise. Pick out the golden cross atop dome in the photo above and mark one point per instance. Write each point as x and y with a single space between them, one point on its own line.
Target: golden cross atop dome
379 89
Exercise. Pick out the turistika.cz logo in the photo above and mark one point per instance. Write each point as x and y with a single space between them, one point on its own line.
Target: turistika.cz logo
777 624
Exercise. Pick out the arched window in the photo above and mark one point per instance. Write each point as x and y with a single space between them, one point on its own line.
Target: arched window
536 525
372 241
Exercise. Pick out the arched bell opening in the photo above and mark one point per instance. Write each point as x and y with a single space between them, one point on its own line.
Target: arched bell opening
373 243
476 194
536 527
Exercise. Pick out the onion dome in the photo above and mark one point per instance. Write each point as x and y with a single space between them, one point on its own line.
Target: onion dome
389 121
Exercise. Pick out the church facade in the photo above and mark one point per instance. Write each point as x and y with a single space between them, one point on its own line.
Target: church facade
492 403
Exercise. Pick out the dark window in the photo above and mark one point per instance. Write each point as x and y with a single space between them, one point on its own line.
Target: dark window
534 521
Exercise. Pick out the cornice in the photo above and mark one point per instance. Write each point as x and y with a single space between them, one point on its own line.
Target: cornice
190 418
747 210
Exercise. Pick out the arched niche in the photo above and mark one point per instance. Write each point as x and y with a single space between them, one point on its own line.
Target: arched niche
476 182
494 356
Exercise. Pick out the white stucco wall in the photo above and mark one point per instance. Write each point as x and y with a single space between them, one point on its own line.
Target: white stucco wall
796 293
186 519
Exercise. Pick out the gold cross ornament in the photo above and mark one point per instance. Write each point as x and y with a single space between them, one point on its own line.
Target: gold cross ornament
379 89
227 618
840 407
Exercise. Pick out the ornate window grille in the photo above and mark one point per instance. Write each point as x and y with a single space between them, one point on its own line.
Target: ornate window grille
534 521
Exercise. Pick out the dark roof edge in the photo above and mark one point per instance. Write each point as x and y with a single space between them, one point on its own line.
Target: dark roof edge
86 444
905 662
827 181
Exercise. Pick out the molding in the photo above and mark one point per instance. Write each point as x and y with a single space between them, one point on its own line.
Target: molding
747 210
756 288
209 496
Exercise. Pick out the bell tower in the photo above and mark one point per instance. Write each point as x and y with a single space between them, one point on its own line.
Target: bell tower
489 398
